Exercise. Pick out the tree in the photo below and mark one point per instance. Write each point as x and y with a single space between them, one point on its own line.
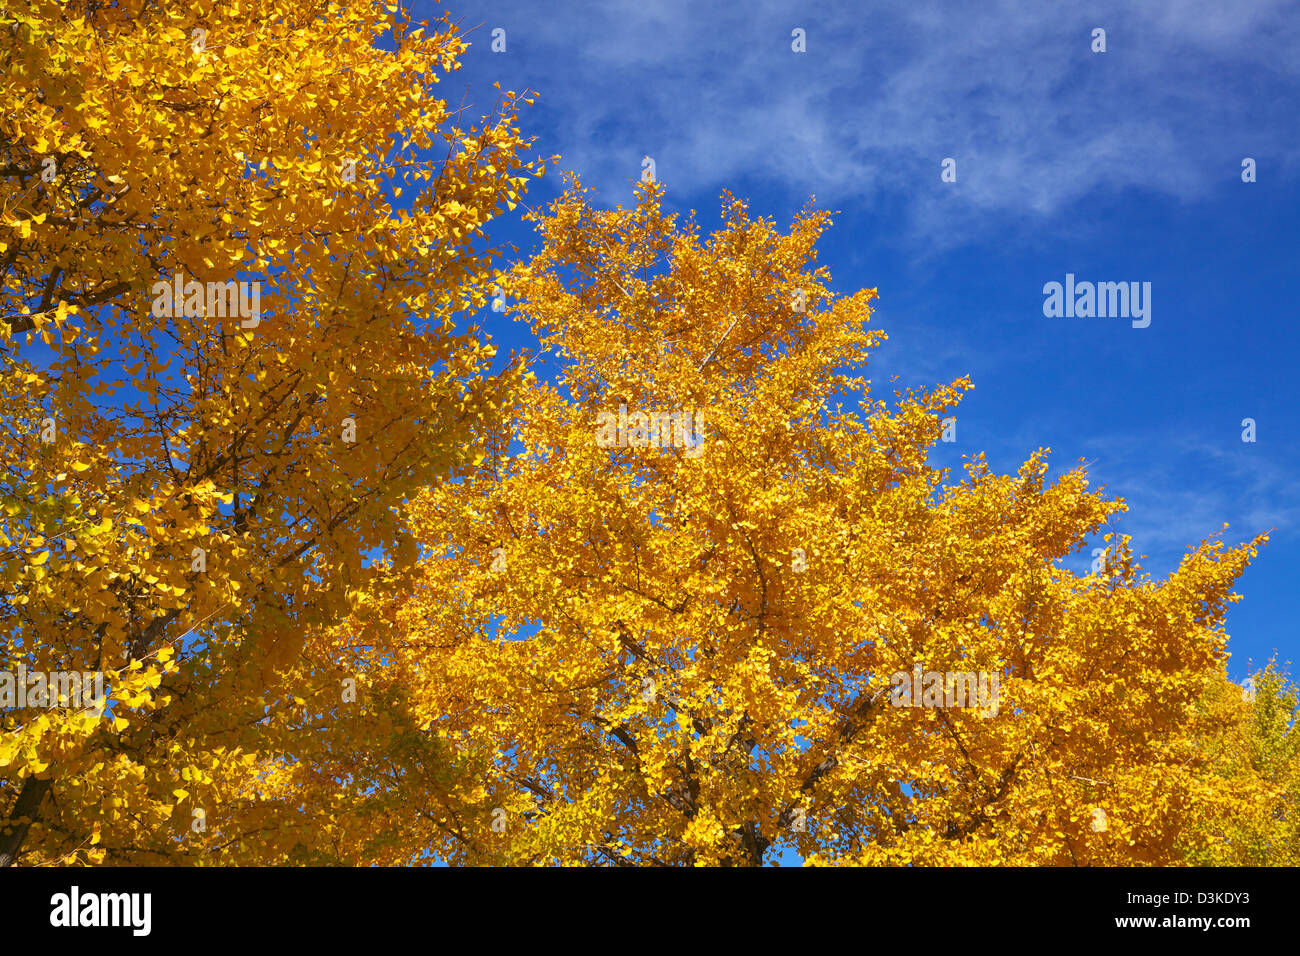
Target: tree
689 640
1252 776
229 353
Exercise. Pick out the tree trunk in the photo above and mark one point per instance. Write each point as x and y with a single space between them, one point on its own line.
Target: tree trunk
28 806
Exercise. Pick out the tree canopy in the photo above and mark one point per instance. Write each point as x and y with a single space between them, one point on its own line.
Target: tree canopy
193 482
678 588
685 650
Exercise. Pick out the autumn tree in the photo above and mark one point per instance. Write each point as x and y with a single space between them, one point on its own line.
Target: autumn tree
237 240
1250 780
669 619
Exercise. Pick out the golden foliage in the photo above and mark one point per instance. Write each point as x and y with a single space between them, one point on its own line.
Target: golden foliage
668 655
176 477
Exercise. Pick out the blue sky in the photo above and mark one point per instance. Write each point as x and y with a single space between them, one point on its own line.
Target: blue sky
1117 166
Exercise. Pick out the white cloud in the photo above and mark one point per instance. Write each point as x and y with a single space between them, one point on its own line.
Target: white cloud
1181 490
1009 89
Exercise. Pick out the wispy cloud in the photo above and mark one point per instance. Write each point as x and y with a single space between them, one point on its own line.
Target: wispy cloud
1009 89
1181 489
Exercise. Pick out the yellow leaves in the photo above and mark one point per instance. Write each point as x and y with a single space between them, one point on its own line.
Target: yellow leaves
660 608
